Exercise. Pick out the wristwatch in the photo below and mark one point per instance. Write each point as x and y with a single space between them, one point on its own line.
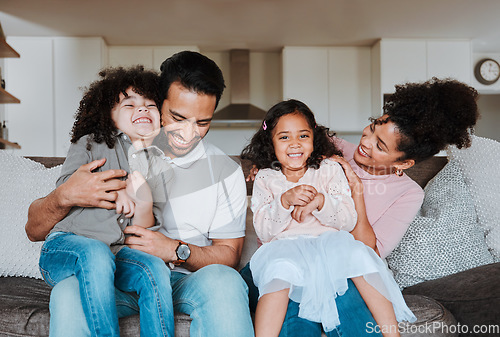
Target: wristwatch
183 253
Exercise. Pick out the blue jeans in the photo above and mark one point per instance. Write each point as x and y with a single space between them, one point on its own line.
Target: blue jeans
354 315
98 271
215 297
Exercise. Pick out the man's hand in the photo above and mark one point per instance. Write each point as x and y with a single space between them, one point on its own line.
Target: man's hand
83 188
88 189
298 196
154 243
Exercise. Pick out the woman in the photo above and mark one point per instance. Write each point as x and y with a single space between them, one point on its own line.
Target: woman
419 120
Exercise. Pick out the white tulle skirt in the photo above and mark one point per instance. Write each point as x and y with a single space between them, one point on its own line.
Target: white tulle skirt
316 270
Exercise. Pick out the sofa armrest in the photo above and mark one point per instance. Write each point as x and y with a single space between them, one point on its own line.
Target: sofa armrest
472 296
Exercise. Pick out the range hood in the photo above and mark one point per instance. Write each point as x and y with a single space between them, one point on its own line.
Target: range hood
239 113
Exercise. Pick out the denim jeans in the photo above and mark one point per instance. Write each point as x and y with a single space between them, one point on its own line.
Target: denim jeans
98 271
215 297
354 315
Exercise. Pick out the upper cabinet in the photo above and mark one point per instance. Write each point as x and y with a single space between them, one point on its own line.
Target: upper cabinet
333 81
149 56
397 61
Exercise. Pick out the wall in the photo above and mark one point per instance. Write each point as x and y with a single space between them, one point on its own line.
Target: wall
265 83
265 91
489 124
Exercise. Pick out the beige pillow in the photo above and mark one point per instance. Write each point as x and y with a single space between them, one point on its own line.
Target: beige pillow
22 181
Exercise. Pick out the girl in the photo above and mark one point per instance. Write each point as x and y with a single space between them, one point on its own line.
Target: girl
117 119
303 211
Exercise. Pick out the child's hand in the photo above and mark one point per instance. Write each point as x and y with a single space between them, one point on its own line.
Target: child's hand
124 204
298 196
138 189
299 213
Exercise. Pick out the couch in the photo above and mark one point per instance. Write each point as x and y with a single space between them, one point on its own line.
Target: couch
442 306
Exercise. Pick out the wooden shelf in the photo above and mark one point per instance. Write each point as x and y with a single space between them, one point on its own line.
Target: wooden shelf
9 144
5 97
6 50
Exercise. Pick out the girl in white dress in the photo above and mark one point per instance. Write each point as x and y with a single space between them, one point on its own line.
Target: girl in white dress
303 212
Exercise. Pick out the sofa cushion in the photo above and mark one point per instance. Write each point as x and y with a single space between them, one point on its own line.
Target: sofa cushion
472 296
479 165
23 181
444 238
24 310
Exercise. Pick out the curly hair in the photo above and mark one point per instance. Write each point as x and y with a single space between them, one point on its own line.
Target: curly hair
93 116
260 150
431 115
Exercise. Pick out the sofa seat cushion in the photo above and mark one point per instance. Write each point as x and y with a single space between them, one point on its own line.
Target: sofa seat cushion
472 296
24 310
24 307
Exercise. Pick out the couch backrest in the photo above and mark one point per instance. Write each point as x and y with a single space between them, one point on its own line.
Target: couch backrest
421 172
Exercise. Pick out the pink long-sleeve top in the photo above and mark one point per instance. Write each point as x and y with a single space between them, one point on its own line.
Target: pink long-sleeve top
391 201
272 221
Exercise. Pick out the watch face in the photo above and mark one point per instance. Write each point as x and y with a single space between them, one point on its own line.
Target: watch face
183 252
487 71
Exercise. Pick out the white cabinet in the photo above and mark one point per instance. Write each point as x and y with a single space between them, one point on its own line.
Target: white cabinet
305 78
402 61
349 88
333 81
48 79
150 56
397 61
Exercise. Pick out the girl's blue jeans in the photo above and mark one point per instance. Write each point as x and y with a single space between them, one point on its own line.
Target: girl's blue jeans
215 297
98 271
356 320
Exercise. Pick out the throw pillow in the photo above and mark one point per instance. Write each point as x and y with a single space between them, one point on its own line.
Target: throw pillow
479 165
444 237
23 181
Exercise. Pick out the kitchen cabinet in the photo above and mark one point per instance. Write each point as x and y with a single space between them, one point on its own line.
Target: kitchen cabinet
397 61
50 77
150 56
6 51
333 81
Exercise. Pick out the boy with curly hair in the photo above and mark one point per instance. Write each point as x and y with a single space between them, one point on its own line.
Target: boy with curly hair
117 119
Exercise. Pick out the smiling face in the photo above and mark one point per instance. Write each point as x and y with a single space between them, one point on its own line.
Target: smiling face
186 119
293 144
377 151
138 117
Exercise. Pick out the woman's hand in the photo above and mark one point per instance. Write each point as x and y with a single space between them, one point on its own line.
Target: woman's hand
298 196
252 173
352 178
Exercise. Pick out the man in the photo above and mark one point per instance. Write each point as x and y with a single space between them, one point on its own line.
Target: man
204 219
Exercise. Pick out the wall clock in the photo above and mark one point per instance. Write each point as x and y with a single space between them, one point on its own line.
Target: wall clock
487 71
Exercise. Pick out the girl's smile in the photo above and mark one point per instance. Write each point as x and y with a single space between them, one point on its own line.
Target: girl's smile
293 143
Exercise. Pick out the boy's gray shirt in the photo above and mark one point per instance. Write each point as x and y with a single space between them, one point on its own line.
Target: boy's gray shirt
103 224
